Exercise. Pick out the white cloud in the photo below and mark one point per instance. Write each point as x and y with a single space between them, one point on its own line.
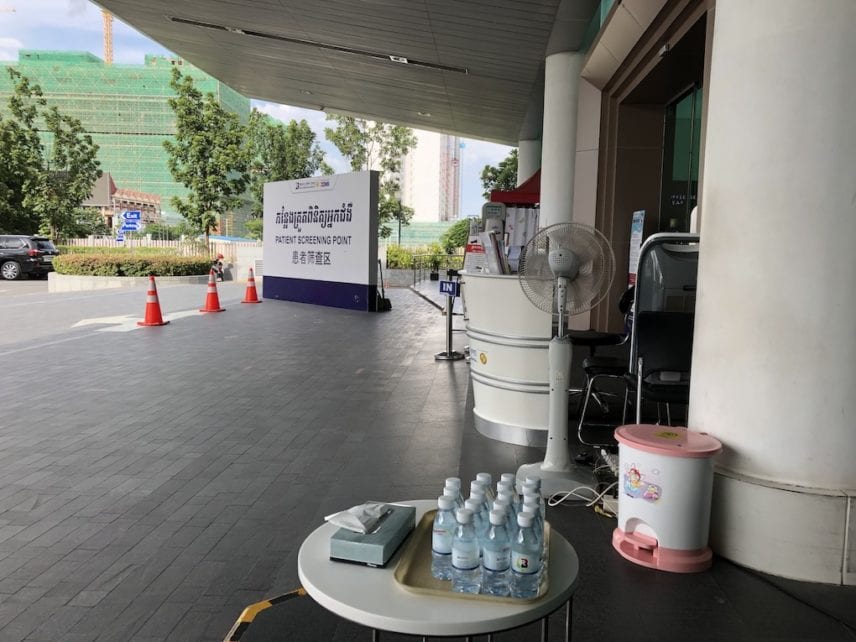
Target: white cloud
481 153
31 15
286 113
9 48
317 121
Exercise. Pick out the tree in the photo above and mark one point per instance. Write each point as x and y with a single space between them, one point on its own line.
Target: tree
167 232
86 221
373 145
503 177
44 179
279 152
456 236
206 156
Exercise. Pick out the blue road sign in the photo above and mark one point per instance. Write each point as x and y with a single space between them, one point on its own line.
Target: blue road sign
120 238
450 288
131 215
131 226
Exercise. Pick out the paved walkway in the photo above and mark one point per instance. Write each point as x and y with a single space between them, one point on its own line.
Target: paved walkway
154 482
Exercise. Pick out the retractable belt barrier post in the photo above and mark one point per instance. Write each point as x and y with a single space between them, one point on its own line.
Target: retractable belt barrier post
451 289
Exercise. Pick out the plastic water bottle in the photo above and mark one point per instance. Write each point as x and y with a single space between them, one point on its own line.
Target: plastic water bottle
511 478
480 522
454 484
478 490
537 527
509 498
532 503
496 558
503 486
441 539
525 559
535 480
531 488
502 503
486 481
484 512
466 569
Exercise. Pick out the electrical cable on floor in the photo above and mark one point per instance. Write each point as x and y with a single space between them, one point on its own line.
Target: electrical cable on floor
564 496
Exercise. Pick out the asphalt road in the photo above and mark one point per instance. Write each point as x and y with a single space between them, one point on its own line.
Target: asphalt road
32 317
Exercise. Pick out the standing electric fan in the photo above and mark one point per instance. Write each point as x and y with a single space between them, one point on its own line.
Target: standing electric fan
564 269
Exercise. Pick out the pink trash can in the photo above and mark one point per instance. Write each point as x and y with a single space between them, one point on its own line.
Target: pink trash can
665 479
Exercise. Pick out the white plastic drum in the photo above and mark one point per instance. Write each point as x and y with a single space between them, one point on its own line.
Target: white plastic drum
665 480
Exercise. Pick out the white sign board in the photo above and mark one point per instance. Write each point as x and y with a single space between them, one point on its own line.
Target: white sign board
320 240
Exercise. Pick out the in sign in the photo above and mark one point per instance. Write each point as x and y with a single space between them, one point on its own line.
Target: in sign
450 288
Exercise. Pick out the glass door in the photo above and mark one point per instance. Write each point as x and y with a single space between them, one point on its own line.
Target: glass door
681 148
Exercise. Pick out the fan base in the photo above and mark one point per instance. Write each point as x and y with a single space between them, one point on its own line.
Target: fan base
557 481
454 355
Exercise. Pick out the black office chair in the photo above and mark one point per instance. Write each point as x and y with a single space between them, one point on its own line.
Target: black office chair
661 368
596 367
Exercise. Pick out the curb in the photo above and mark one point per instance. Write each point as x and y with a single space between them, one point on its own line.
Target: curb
427 298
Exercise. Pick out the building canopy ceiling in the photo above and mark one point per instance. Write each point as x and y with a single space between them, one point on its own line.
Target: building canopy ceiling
471 68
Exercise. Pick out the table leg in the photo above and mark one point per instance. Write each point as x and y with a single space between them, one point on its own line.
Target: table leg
568 612
375 635
545 629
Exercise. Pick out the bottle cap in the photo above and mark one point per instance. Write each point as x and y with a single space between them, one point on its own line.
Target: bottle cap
485 478
476 484
472 504
445 503
501 504
497 517
477 493
535 479
508 478
524 519
451 492
530 488
532 500
464 516
454 482
505 495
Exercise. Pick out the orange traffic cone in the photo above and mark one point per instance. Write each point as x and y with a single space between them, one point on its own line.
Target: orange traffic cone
153 311
212 301
251 295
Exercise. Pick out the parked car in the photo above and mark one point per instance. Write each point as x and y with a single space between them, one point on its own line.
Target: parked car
22 254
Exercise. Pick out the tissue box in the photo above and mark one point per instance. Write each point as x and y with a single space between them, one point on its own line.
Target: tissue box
376 548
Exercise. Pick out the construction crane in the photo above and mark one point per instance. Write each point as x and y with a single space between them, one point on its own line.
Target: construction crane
108 36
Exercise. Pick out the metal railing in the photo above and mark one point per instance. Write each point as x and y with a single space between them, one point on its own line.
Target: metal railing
426 264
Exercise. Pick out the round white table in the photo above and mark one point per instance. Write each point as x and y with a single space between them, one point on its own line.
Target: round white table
372 597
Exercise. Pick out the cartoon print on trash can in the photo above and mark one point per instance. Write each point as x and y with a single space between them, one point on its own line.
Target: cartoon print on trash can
636 485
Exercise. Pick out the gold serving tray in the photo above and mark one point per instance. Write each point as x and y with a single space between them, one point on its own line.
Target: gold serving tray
413 571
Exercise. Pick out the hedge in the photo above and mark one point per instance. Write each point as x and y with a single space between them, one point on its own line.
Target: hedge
82 249
115 264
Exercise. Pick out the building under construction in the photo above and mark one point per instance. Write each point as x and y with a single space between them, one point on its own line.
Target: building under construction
124 107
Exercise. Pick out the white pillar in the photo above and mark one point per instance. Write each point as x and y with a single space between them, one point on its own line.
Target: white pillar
528 159
774 362
559 137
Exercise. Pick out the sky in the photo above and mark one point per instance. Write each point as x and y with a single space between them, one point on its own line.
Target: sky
76 25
